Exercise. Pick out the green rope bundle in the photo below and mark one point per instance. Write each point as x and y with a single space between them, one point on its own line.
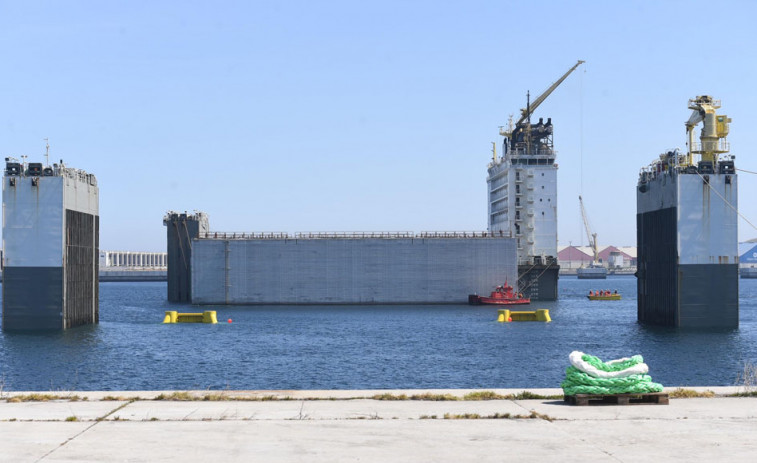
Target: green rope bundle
580 382
614 365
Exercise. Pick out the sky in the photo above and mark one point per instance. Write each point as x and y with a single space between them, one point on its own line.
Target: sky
294 116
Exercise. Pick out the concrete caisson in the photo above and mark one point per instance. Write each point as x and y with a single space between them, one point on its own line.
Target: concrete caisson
687 228
344 270
50 243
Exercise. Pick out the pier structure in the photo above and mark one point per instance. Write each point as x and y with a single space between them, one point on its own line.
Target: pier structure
50 247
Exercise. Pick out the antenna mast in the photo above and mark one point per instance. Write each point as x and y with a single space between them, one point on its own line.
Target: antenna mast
47 152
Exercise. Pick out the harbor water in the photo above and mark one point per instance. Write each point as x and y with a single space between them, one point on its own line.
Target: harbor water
366 347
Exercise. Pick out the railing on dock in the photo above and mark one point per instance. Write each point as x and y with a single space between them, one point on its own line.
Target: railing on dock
350 235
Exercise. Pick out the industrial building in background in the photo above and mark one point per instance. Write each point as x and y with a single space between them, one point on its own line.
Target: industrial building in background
687 229
132 266
522 188
50 247
617 260
333 268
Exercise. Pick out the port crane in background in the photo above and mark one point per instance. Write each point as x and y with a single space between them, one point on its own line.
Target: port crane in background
523 136
592 236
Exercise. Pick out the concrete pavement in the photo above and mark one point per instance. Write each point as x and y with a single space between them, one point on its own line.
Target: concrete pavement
327 426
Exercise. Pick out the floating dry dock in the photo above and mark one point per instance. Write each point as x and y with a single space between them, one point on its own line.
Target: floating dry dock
334 268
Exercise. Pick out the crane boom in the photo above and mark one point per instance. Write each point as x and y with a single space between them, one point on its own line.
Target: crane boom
532 139
591 236
525 112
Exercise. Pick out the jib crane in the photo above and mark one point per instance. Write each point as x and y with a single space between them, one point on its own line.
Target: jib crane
592 236
714 128
523 135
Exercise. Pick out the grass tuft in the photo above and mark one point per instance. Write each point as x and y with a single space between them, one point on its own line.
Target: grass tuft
747 378
483 395
183 396
388 396
462 416
177 396
496 416
472 396
112 398
433 397
43 398
681 393
527 395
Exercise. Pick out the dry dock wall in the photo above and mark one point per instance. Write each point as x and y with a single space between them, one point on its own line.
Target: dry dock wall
50 241
349 271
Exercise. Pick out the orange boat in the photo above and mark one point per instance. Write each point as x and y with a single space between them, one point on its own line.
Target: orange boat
502 295
603 296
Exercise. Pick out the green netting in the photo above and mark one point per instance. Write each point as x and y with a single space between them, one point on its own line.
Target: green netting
578 382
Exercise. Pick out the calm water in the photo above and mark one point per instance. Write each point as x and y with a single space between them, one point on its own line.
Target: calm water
325 347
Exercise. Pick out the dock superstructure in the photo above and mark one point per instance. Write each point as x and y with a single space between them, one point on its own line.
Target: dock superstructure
522 187
50 244
687 229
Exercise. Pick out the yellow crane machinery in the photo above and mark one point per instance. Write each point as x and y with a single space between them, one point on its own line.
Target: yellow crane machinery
591 236
522 134
714 129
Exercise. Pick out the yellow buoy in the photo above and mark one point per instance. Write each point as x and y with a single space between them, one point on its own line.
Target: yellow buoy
538 315
172 316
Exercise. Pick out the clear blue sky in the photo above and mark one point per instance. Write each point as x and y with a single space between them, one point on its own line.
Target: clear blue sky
362 115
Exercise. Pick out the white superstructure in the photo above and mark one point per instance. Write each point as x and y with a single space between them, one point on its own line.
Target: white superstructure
523 201
522 197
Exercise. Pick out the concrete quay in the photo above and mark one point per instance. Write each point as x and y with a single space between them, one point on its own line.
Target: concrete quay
328 426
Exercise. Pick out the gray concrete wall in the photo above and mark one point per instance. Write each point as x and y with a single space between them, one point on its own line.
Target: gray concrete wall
181 229
349 271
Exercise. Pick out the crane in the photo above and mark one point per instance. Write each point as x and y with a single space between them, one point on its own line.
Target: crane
522 131
592 236
714 128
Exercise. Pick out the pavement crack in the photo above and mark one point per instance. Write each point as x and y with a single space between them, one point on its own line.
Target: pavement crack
105 416
94 423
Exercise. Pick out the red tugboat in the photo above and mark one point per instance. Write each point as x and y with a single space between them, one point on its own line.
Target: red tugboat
502 295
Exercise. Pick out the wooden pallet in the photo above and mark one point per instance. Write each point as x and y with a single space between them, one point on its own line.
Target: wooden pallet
652 398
